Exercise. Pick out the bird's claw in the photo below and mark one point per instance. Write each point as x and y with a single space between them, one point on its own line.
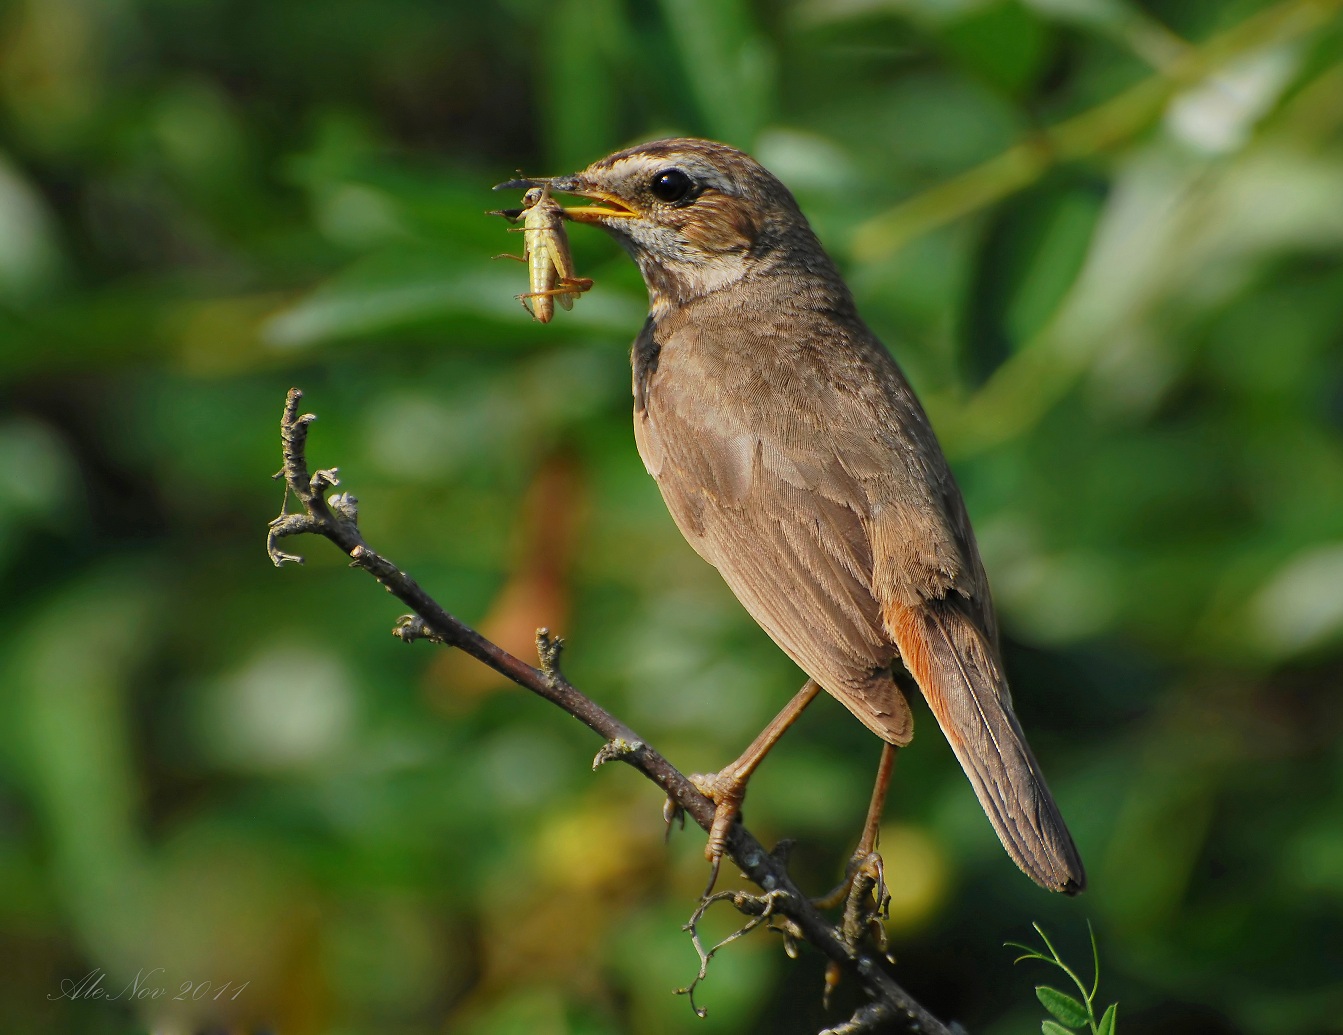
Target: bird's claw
727 791
866 903
727 794
867 871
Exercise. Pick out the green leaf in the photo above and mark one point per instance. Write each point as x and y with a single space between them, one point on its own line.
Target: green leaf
1002 43
581 97
1048 944
1034 250
724 56
1095 962
1028 952
1052 1028
1107 1025
1064 1007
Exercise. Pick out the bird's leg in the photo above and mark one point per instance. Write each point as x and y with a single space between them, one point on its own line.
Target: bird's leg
727 787
867 867
867 844
863 891
865 859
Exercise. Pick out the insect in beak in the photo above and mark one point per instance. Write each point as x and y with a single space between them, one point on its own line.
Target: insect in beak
545 249
609 207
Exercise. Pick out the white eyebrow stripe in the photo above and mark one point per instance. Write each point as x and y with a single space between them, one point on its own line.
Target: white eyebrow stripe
636 166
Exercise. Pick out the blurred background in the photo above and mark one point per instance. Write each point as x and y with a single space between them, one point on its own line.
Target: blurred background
1104 239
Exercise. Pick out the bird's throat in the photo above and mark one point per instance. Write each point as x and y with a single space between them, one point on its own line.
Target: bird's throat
671 282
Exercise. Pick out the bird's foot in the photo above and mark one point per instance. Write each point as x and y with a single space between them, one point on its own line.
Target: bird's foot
727 790
865 874
866 904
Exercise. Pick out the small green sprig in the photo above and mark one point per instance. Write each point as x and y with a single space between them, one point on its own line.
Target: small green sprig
1070 1014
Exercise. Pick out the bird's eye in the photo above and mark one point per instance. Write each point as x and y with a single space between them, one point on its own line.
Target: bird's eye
671 185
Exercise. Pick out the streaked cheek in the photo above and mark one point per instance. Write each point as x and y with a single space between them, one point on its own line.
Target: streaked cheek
716 223
660 241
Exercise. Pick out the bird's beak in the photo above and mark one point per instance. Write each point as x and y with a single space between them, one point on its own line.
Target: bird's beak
609 206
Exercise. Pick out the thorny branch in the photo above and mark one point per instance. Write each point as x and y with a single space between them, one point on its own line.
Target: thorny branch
890 1007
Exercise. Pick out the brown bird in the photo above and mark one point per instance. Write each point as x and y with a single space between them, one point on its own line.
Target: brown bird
795 458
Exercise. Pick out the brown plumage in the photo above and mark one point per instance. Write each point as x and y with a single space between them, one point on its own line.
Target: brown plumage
795 458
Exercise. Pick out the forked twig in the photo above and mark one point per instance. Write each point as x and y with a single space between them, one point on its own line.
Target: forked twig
760 908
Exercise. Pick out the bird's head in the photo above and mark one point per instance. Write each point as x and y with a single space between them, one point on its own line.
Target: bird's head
695 215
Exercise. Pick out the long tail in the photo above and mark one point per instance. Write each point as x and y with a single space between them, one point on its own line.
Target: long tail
960 676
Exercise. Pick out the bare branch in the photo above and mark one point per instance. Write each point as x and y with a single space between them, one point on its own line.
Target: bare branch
890 1009
760 908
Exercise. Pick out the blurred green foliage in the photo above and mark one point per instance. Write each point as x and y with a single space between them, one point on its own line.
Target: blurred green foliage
1104 239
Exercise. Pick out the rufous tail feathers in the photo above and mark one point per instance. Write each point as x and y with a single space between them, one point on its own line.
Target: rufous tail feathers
959 673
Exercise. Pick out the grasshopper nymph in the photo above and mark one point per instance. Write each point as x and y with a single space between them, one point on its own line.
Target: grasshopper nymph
545 249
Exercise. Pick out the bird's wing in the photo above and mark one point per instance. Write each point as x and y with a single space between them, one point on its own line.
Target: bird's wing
786 531
934 597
